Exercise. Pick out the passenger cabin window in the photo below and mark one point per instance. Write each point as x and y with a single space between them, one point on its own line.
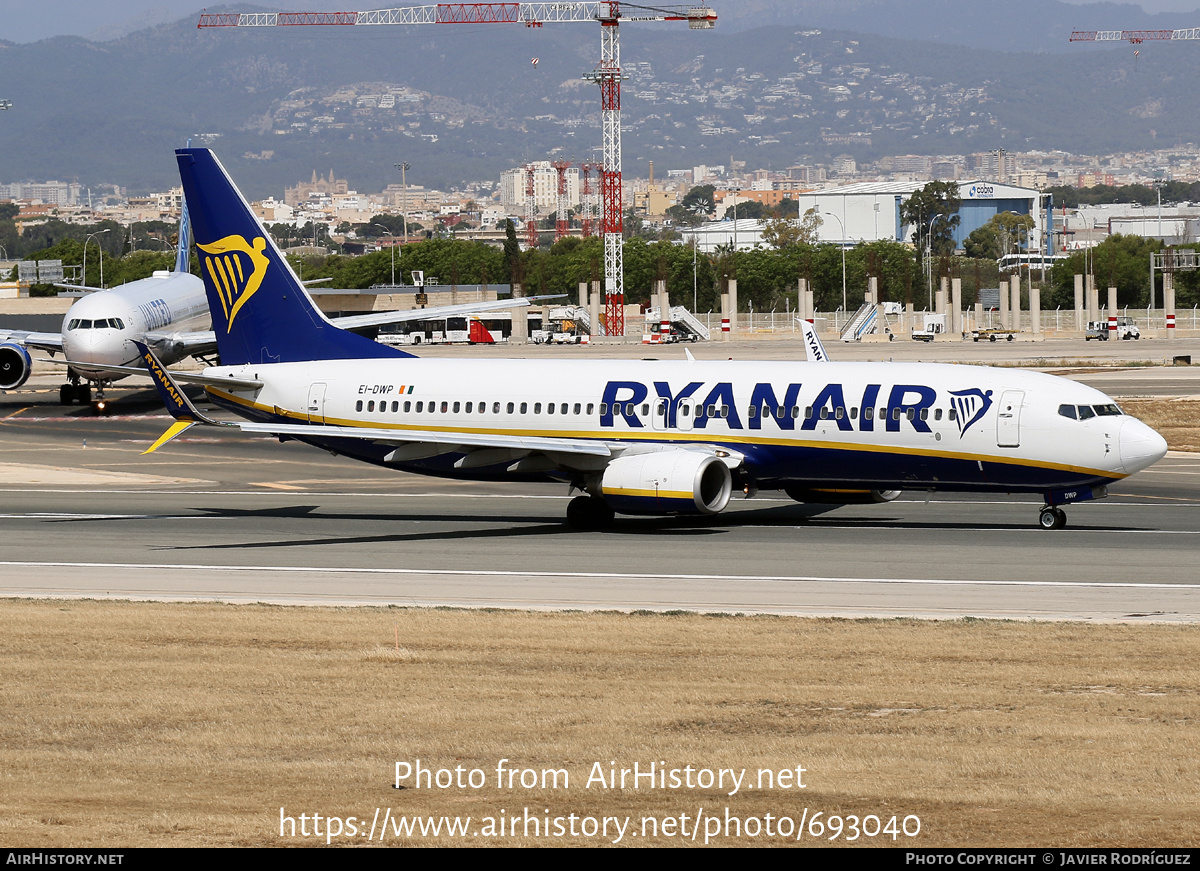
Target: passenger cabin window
358 405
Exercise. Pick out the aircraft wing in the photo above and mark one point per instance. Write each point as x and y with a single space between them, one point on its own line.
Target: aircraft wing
353 322
406 437
205 341
86 287
226 381
51 342
197 342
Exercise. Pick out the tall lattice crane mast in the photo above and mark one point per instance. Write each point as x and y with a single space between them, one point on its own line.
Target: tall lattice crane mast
609 13
562 210
586 194
531 227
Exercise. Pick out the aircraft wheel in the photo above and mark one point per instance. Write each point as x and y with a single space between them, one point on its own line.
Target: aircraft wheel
83 393
588 513
1052 518
66 394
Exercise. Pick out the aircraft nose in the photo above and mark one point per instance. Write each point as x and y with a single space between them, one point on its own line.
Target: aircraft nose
1140 446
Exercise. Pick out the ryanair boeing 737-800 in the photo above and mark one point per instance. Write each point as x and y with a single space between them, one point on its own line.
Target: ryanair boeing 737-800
635 437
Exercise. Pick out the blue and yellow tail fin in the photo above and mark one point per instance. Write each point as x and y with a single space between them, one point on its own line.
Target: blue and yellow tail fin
261 313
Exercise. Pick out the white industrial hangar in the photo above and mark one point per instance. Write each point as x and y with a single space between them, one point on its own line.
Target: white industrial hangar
870 211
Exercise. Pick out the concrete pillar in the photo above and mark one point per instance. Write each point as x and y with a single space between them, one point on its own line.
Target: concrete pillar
1005 296
725 325
1093 299
664 310
1035 309
943 295
1169 302
583 294
978 315
910 318
520 320
1112 312
810 303
1078 301
956 309
802 310
733 305
594 309
1014 308
873 290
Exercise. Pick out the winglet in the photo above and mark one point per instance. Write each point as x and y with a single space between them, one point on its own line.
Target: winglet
177 428
813 349
173 397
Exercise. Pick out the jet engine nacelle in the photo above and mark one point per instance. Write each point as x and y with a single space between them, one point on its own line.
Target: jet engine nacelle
840 497
667 482
15 366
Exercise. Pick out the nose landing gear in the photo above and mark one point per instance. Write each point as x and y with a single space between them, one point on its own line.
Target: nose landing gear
1052 517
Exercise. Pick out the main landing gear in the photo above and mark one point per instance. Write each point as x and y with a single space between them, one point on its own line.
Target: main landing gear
77 391
589 513
1052 517
74 392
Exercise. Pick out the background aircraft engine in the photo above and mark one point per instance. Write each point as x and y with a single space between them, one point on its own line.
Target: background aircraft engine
15 366
840 497
667 482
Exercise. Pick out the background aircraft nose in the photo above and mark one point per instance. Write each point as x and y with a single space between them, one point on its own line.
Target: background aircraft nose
1140 446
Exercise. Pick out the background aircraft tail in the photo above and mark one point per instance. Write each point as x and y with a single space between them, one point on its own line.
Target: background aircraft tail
261 313
183 248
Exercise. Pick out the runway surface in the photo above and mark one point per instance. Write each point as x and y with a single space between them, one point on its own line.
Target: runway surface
233 518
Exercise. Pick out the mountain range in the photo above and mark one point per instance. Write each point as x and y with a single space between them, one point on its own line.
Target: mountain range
775 84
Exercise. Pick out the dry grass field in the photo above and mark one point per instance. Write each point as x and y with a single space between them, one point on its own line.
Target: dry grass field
129 724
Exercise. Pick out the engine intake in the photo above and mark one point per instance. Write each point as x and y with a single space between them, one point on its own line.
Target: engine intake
667 482
15 366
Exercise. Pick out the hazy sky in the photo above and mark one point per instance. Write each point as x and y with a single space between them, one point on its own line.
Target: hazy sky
31 20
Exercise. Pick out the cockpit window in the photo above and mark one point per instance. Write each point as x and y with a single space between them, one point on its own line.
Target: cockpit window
1107 410
1068 411
1086 413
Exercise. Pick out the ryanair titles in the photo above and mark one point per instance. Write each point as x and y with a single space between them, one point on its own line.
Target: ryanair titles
905 404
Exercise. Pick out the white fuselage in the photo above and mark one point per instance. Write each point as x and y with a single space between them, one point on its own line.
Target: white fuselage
836 424
100 327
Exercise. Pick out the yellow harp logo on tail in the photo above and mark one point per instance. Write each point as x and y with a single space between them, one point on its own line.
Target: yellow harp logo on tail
236 269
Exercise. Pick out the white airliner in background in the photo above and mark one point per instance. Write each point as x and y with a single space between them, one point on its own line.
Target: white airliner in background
635 437
169 313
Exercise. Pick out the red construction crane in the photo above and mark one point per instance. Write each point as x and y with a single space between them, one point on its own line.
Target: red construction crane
1134 36
607 74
